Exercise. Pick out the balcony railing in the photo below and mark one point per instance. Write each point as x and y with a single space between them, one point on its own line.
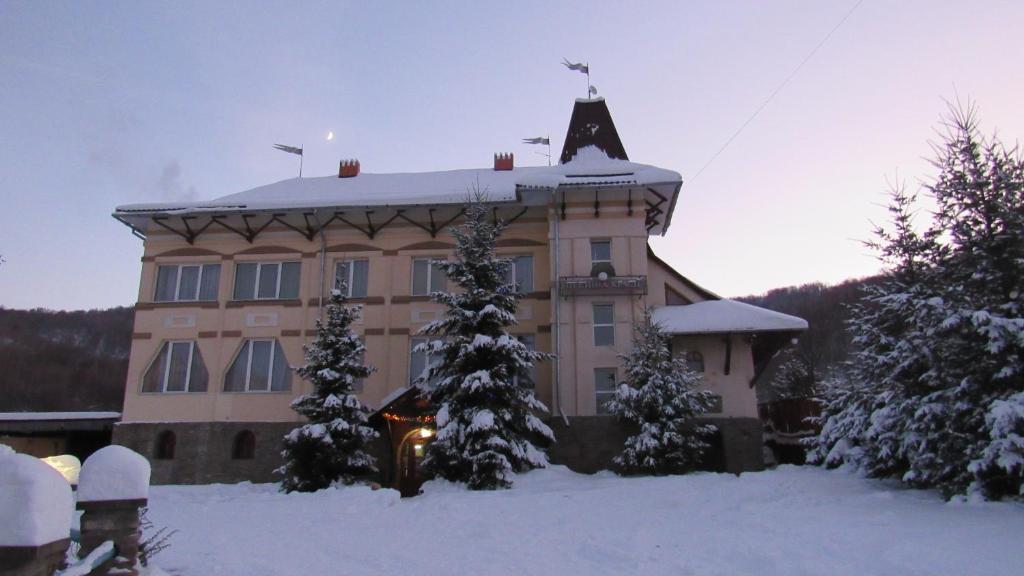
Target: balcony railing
594 286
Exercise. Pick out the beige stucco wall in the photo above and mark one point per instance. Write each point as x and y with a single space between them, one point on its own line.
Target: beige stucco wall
391 317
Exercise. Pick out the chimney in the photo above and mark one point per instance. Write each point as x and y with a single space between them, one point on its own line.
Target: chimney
348 168
503 161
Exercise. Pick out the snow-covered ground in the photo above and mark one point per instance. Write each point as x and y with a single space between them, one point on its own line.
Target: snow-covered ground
789 521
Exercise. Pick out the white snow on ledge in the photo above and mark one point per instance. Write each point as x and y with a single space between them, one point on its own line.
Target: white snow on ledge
22 416
719 316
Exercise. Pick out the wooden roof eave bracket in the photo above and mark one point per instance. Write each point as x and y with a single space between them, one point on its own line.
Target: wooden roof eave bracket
340 216
432 229
158 220
135 231
230 228
307 234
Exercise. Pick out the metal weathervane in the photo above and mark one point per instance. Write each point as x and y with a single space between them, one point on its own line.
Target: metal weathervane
584 69
292 150
546 140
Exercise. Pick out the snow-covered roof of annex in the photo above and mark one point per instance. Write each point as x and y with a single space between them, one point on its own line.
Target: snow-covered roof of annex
528 185
25 416
724 317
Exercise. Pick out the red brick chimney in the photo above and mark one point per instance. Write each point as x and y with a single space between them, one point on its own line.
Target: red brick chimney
348 168
503 161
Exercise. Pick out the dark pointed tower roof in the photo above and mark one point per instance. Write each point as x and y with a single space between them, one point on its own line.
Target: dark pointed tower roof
591 125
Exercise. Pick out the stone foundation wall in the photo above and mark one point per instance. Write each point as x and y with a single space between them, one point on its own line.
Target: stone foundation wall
590 443
203 450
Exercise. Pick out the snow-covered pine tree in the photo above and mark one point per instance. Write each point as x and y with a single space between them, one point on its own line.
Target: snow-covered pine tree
659 397
486 426
937 381
332 446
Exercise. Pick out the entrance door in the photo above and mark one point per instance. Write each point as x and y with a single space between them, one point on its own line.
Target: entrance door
410 458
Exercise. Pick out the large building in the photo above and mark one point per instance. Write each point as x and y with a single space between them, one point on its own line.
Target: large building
231 290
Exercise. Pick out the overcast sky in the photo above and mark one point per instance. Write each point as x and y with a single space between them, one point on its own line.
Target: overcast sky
104 103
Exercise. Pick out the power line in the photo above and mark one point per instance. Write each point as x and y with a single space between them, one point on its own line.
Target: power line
777 89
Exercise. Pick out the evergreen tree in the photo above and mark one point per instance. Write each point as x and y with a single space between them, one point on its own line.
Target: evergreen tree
935 397
486 427
660 398
331 447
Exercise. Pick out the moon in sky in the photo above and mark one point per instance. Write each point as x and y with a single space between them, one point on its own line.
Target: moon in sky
330 136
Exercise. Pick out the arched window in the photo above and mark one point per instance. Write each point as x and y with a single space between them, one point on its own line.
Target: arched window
244 446
165 442
259 366
178 367
695 361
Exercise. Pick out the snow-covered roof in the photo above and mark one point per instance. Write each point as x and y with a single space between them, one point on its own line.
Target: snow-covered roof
589 167
23 416
724 316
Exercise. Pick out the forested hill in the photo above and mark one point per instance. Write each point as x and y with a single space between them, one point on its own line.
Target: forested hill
63 361
826 344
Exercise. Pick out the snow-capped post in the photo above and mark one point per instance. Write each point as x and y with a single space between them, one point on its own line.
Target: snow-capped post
35 516
112 486
332 446
660 399
486 427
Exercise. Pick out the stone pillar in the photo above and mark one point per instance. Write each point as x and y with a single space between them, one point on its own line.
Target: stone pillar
117 521
112 486
35 501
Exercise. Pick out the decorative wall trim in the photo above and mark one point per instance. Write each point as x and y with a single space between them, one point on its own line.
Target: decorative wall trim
517 242
310 332
191 251
208 334
366 300
544 328
407 299
291 333
268 250
539 295
373 332
141 335
351 247
230 333
429 245
398 331
192 304
292 303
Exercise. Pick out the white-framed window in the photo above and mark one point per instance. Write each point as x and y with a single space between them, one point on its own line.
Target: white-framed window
178 367
520 273
604 388
187 282
527 378
600 252
420 359
427 276
266 280
604 324
695 361
259 366
353 275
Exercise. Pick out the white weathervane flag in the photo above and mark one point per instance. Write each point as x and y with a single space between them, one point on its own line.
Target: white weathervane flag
288 149
292 150
583 69
579 66
542 140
